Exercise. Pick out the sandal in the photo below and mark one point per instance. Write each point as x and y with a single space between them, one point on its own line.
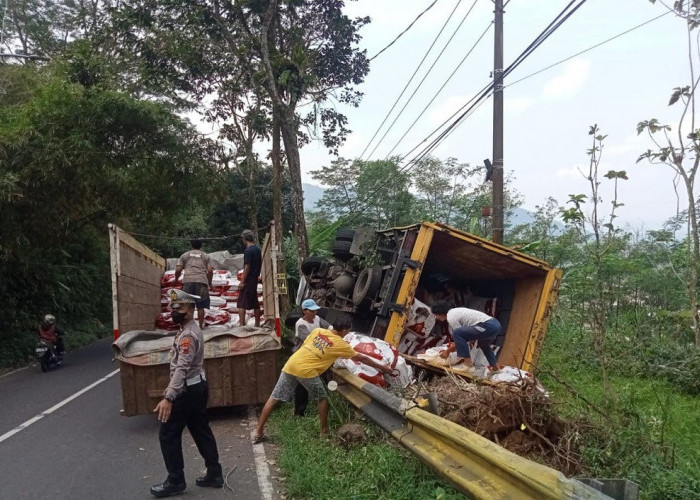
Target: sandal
259 439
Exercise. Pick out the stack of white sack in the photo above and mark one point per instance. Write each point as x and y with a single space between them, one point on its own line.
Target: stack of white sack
382 351
223 301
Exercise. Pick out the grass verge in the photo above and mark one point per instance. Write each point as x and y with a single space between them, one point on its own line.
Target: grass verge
641 428
321 468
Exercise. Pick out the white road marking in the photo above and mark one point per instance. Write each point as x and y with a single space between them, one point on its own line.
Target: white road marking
55 407
261 468
15 371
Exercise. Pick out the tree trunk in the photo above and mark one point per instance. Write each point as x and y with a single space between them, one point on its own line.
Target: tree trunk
288 128
291 146
252 195
277 172
694 261
277 176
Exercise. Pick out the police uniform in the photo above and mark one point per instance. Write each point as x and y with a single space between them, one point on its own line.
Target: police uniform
188 392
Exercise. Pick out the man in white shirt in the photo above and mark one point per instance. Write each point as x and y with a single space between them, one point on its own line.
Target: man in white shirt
466 325
304 326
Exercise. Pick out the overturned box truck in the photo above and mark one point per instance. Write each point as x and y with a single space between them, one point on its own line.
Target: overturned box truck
241 363
379 279
382 280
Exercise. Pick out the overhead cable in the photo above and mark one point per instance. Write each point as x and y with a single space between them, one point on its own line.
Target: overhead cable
410 79
439 91
475 101
403 32
589 48
420 84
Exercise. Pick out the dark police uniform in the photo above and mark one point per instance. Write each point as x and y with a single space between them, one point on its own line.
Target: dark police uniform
188 392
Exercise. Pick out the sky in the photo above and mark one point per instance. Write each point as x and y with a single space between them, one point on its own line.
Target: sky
547 116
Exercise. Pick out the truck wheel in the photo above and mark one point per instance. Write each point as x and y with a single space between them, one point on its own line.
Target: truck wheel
341 249
344 234
291 320
312 264
368 283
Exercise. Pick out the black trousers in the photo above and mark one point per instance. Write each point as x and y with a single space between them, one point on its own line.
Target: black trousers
189 410
301 400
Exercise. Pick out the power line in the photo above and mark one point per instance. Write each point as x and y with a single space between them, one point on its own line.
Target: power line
403 32
420 84
410 79
477 100
590 48
440 89
480 98
562 17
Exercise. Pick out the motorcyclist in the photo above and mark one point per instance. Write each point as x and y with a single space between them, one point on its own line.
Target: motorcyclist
48 330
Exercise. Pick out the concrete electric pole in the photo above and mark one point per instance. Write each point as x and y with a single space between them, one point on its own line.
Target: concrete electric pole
497 177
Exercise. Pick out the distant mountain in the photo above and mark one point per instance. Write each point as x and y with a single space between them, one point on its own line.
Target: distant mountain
312 194
521 216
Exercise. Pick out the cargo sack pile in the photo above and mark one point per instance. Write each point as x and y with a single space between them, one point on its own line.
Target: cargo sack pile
382 351
223 298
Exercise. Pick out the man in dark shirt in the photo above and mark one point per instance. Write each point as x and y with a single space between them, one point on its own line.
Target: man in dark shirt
252 264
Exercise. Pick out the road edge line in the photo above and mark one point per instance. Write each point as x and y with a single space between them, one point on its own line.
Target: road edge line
262 471
55 407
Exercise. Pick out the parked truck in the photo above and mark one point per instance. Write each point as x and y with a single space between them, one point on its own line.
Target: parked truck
242 373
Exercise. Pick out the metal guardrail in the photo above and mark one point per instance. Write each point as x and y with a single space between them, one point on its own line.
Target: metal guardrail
472 463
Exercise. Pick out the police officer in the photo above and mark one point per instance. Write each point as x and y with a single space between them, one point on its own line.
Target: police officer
185 403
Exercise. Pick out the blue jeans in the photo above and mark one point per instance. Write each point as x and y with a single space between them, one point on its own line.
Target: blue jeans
484 333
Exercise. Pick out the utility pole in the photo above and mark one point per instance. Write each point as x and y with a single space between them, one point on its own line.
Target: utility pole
497 177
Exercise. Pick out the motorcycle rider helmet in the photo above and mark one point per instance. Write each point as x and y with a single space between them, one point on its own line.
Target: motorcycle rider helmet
50 319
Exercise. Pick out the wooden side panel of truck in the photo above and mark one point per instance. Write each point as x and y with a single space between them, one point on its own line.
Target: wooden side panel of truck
233 380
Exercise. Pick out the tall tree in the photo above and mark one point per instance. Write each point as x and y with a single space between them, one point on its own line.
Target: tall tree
371 193
287 53
681 151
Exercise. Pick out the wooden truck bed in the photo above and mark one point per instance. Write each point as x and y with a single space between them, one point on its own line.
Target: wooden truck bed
244 379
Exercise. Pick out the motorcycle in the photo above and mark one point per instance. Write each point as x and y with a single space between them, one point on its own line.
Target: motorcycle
47 355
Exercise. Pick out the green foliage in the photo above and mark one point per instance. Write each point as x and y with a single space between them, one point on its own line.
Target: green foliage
370 193
648 433
72 159
317 468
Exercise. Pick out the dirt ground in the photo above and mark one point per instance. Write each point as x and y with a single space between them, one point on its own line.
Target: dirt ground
521 418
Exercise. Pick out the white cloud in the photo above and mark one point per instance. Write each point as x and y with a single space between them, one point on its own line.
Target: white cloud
569 173
516 105
569 83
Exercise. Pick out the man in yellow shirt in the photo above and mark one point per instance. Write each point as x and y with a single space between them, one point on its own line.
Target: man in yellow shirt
318 352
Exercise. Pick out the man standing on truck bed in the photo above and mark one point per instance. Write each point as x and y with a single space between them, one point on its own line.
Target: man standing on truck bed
467 325
252 264
198 275
184 403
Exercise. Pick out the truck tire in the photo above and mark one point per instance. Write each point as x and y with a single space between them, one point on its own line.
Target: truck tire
367 286
344 234
291 320
341 249
312 264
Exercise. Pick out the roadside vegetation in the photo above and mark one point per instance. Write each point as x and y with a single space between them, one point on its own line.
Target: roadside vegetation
315 467
93 131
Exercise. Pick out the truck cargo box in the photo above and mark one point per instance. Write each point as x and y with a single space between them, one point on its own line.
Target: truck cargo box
240 378
413 263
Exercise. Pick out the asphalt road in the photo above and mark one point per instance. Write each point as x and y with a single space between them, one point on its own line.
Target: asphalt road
85 449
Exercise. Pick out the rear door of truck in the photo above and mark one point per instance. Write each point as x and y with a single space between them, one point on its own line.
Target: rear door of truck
136 272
